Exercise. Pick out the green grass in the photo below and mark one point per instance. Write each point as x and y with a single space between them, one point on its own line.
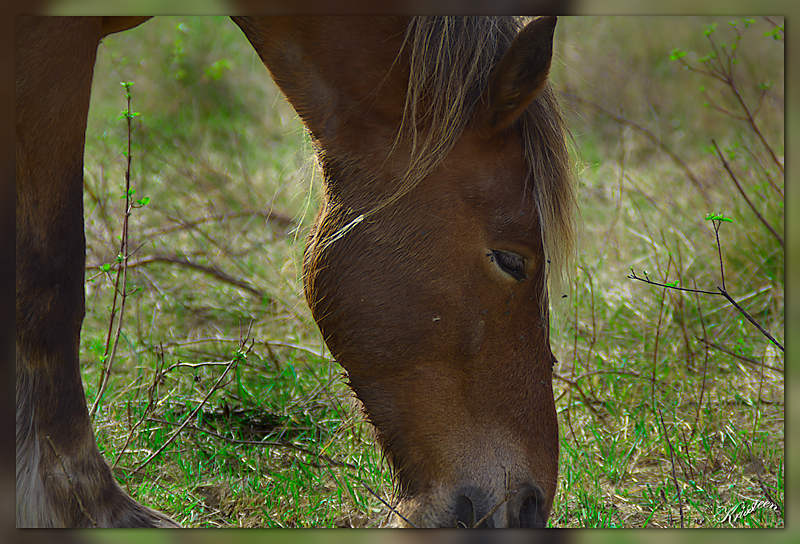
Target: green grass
217 150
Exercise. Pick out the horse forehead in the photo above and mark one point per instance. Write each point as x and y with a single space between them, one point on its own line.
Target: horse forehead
489 171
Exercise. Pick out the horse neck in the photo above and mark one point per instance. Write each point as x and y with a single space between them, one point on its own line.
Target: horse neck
342 75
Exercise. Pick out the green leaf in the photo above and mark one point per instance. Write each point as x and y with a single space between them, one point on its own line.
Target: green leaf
676 54
672 284
776 33
217 69
718 217
128 114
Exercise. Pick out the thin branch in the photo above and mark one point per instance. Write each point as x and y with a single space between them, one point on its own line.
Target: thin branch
389 506
633 276
652 137
195 365
720 291
122 270
191 416
744 195
760 481
289 445
266 443
713 105
741 357
152 393
717 225
574 384
705 363
752 122
750 319
672 460
283 220
658 333
266 343
493 510
617 372
180 261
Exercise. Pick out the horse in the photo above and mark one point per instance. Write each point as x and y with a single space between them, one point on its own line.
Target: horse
448 209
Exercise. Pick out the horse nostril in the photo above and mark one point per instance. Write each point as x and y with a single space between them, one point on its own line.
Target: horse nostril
530 514
464 512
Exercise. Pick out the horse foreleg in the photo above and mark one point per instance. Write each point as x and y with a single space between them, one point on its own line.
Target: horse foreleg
61 478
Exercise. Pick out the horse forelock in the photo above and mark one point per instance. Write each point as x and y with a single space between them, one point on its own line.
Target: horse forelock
450 60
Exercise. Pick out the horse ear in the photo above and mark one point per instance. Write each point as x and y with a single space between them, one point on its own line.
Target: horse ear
520 76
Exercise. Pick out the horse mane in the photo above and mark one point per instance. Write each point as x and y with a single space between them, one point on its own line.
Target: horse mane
451 59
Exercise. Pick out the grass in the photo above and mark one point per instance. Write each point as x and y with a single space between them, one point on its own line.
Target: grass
654 387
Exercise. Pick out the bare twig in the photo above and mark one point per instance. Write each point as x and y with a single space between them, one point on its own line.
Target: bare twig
493 510
265 443
652 137
721 292
122 270
750 319
744 195
739 356
180 261
722 69
761 482
705 364
181 364
717 225
283 220
615 372
658 335
574 384
288 445
389 506
233 362
672 460
646 279
152 393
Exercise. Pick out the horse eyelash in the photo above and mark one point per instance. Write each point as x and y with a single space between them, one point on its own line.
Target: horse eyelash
511 263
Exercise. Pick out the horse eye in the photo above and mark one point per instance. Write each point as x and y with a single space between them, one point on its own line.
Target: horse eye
510 263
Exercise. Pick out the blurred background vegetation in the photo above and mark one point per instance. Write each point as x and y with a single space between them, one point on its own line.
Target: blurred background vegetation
649 379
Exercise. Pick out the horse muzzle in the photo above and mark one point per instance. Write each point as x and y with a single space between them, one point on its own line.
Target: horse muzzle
474 507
